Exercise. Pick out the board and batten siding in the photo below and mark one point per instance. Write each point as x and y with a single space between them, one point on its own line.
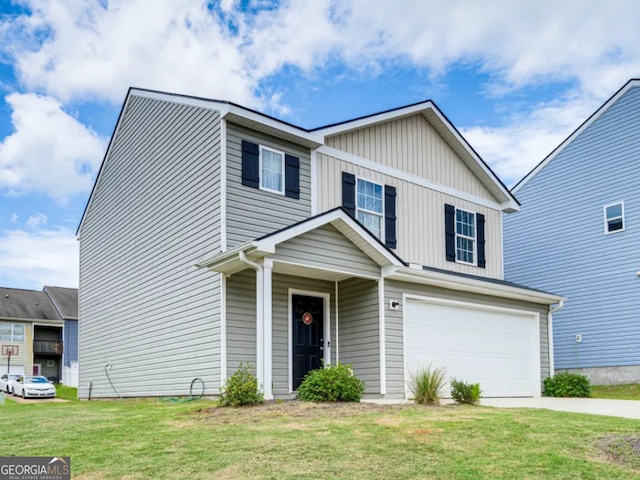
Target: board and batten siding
145 309
420 217
359 330
251 212
556 242
241 321
394 335
328 249
411 144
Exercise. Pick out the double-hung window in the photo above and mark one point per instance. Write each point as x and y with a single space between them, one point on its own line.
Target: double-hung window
11 332
369 209
271 170
614 217
465 237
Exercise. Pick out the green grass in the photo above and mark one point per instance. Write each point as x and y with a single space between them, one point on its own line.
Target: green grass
139 439
617 392
67 393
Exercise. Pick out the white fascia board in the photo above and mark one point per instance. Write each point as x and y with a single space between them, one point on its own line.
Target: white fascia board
455 282
415 179
374 119
224 257
223 107
560 148
310 139
508 196
304 227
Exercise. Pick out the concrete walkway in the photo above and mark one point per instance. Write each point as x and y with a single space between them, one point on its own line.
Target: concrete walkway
594 406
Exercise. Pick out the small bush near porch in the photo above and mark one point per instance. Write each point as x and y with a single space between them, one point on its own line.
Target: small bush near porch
331 384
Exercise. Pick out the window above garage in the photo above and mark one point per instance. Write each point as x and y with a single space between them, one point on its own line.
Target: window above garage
614 218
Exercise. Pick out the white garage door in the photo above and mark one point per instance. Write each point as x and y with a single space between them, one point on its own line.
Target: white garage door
498 348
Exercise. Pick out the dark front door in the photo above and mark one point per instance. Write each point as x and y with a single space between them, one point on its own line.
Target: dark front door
308 335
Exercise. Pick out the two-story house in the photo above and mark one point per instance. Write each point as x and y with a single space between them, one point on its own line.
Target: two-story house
217 235
38 332
578 233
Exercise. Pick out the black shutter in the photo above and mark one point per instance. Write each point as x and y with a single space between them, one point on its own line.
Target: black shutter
250 164
480 239
450 231
390 216
292 176
349 193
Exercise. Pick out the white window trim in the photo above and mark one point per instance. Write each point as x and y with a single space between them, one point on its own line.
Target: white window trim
474 239
370 212
273 150
606 220
24 332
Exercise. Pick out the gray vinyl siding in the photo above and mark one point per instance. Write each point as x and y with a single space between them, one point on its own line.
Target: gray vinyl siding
144 307
394 325
241 320
252 212
556 242
327 248
359 330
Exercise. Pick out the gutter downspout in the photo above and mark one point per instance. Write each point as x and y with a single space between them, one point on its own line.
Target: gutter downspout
552 310
259 316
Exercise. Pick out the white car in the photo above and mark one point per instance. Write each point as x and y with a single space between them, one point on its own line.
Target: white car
6 381
34 387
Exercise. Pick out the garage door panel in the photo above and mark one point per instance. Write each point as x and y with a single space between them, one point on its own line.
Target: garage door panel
497 348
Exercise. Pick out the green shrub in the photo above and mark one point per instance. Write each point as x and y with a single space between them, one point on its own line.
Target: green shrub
331 384
463 392
567 384
426 384
241 389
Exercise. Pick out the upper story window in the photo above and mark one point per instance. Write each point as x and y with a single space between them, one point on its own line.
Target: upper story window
465 236
465 240
614 217
11 332
271 170
369 206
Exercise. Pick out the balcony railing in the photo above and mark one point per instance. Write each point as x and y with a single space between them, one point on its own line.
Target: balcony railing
47 347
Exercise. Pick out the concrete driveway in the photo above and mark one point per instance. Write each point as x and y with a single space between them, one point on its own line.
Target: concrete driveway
594 406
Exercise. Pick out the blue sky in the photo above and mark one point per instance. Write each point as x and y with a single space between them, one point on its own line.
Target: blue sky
515 77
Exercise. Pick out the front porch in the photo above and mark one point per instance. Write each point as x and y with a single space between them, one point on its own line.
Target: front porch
309 295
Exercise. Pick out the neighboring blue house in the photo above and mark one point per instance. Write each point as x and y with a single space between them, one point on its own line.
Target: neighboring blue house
65 300
578 234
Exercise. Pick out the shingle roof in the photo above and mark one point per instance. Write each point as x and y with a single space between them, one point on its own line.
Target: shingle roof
26 304
65 300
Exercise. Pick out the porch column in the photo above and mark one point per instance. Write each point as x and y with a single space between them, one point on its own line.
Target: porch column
382 332
268 328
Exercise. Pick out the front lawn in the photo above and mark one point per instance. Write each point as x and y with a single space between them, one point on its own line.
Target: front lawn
138 439
617 392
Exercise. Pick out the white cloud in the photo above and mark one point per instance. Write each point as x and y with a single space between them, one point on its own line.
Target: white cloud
34 259
14 217
36 220
50 151
514 149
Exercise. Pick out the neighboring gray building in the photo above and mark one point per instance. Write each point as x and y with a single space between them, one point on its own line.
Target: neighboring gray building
217 235
578 233
32 325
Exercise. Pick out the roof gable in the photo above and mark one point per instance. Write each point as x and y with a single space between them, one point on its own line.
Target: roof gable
633 83
65 300
447 132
